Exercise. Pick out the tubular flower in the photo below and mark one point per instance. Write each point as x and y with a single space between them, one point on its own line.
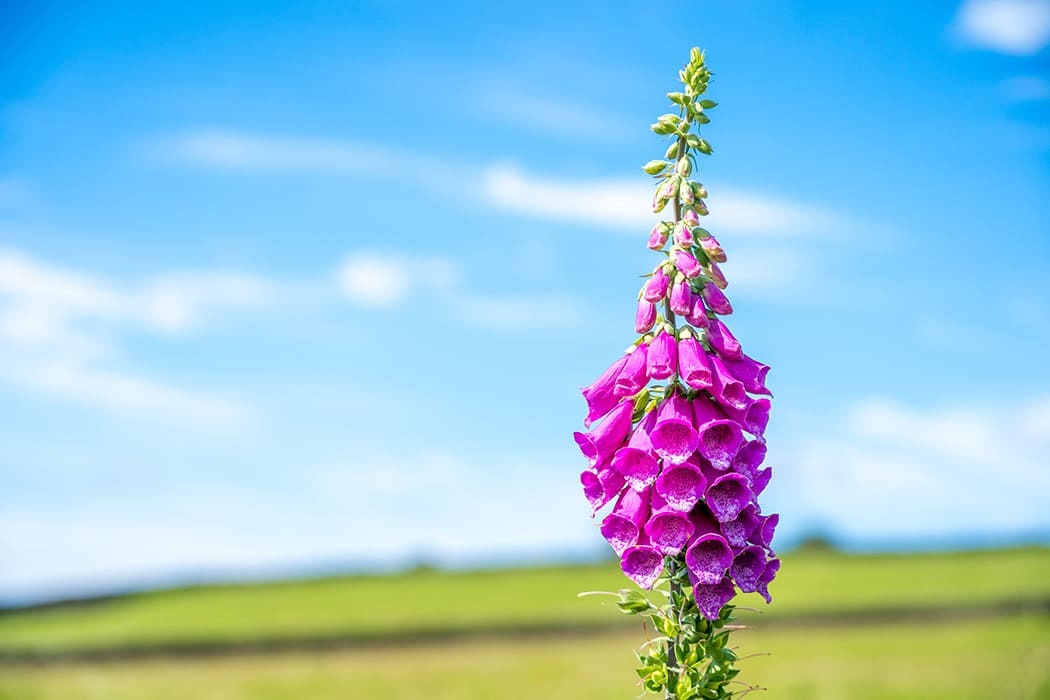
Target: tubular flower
676 446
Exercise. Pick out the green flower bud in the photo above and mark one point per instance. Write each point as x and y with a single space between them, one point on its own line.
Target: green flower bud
655 167
683 167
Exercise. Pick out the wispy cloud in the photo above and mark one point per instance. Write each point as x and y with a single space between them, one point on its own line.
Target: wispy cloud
1016 27
619 204
547 114
622 205
61 326
911 472
391 279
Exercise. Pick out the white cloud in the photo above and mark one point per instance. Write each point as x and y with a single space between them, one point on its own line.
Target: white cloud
898 472
623 205
59 326
236 150
388 280
547 114
1017 27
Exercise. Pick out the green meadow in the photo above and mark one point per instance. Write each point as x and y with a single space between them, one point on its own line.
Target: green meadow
959 625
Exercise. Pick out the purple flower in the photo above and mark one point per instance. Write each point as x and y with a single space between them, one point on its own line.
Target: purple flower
599 395
749 458
708 558
656 287
635 461
757 417
693 364
712 249
645 317
716 300
727 389
727 496
669 530
737 531
711 597
623 525
681 486
749 372
600 485
698 314
747 568
688 265
763 534
766 578
663 356
674 437
761 480
719 439
632 377
721 340
658 236
681 297
601 442
643 564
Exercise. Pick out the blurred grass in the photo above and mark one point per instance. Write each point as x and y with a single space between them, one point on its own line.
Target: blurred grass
1005 659
810 582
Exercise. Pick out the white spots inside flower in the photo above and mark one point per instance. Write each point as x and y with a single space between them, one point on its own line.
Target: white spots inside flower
735 533
724 500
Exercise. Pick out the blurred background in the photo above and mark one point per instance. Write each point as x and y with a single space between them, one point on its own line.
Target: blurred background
305 293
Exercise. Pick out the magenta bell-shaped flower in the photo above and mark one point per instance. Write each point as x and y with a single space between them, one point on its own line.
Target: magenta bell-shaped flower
749 458
763 534
716 300
600 484
600 443
727 496
645 317
698 314
599 395
738 530
662 359
636 461
747 568
674 437
761 480
687 264
726 389
643 564
719 439
749 372
708 558
681 301
721 340
711 597
681 486
632 377
770 573
656 287
694 367
623 525
668 529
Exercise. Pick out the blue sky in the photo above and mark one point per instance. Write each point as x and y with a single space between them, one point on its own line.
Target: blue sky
282 286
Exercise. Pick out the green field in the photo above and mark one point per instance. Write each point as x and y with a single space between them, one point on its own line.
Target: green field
810 584
976 652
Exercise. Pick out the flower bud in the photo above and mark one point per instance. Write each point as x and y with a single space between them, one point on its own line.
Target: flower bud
662 359
655 167
711 248
701 207
658 236
683 235
690 218
681 297
716 300
656 288
715 273
645 317
688 265
683 167
685 192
